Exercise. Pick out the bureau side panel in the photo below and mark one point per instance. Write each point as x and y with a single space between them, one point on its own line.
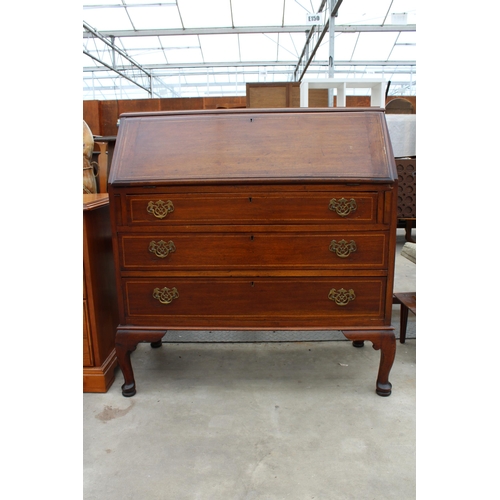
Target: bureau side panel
116 202
391 220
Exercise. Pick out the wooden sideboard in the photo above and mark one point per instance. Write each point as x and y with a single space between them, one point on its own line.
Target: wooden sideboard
100 310
255 220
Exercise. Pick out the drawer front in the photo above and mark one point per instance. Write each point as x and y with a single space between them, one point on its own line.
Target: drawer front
269 208
202 251
243 302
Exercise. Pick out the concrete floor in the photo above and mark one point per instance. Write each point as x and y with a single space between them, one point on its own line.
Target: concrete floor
257 421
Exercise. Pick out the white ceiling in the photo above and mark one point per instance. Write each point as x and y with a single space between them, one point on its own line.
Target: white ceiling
194 48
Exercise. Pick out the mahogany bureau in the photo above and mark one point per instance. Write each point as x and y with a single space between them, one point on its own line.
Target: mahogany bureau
254 219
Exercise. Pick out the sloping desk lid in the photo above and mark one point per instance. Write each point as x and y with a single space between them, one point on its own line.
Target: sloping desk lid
252 145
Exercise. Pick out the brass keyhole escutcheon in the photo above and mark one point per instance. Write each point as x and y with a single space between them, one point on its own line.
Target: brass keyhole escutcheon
160 209
161 248
165 295
342 248
343 207
341 297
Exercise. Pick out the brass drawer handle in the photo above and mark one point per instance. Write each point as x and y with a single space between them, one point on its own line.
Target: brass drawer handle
342 248
162 249
160 209
341 297
165 295
343 207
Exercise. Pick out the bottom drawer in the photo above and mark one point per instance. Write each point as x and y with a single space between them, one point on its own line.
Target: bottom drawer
255 303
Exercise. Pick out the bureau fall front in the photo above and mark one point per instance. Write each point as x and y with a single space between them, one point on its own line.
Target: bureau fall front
254 220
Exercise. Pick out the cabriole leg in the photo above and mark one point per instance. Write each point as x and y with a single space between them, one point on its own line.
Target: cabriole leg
125 343
385 341
124 347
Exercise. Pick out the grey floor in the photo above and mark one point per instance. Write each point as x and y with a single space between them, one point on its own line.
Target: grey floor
257 421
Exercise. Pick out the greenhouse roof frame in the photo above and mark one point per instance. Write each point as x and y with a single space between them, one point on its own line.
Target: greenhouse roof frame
192 48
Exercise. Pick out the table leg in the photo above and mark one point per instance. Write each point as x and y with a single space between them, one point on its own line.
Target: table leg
385 341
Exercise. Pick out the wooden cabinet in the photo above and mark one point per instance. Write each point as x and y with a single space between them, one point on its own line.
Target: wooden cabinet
282 95
287 95
257 220
100 310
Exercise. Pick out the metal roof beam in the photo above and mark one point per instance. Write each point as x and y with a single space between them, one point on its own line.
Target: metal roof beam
128 5
202 82
250 29
115 50
204 31
386 28
118 72
234 64
112 46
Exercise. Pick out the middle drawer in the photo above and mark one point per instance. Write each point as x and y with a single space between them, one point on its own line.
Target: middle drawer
198 251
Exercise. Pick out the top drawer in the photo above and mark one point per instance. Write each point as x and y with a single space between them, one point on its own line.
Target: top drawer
252 208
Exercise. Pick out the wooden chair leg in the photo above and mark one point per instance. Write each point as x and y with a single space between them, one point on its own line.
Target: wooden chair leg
403 323
408 228
408 302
